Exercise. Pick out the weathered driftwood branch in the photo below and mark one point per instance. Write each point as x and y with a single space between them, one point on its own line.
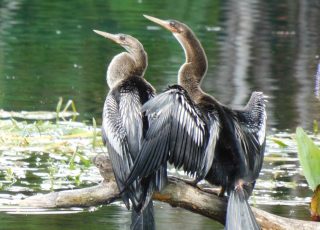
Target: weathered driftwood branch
177 193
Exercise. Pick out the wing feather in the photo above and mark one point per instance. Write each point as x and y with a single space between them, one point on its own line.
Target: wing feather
122 133
179 125
251 129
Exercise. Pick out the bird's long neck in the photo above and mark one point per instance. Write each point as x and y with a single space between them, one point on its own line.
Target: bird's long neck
141 61
125 65
193 70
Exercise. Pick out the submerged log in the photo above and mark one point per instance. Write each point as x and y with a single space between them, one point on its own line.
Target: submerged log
177 193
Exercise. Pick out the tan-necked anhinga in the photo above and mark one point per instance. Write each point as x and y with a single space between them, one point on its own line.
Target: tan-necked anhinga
124 126
208 139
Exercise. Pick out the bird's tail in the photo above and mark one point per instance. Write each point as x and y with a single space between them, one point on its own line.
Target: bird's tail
144 220
239 213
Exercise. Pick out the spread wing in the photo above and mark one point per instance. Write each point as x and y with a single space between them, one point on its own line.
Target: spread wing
179 132
251 130
122 134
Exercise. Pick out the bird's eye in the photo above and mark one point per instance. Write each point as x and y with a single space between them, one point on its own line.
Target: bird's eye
122 38
172 23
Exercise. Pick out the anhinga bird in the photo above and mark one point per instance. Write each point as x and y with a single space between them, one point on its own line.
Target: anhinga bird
208 139
124 126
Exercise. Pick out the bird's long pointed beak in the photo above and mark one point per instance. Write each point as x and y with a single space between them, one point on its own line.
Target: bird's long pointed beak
107 35
160 22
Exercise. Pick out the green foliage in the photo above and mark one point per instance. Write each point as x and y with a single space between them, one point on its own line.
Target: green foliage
309 156
315 127
52 169
65 109
84 160
58 109
77 180
10 176
279 142
71 162
94 138
62 152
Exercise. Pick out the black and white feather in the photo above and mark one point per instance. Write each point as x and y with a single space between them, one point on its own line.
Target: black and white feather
122 132
250 128
180 132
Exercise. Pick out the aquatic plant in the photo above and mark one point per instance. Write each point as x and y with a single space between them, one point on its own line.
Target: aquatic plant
309 156
63 148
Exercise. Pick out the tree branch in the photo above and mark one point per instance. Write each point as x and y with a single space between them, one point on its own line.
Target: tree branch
177 193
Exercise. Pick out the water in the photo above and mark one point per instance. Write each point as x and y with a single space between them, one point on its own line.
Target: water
280 189
48 50
111 217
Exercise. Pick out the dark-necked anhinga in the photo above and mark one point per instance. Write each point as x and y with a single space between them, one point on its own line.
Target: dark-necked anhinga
208 139
124 126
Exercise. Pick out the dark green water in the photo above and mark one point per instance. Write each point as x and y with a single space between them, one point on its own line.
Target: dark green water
48 50
112 217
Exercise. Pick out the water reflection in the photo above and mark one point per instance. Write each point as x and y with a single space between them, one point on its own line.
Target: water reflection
236 51
111 217
251 45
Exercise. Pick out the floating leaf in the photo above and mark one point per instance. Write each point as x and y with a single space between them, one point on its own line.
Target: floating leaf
309 156
84 160
279 142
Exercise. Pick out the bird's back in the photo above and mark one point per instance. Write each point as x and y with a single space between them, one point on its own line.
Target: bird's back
240 147
123 128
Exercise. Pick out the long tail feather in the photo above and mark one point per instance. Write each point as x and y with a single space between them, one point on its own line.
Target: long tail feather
239 213
143 221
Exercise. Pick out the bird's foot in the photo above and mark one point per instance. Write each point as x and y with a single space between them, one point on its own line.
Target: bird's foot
221 192
239 185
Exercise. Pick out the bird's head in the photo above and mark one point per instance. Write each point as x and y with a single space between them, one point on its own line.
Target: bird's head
131 63
128 42
192 47
173 26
